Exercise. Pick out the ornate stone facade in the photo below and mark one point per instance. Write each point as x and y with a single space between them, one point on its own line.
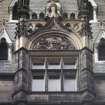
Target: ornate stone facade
53 53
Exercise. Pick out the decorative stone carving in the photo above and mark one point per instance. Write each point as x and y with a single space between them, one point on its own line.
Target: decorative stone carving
53 8
21 28
53 43
75 26
24 28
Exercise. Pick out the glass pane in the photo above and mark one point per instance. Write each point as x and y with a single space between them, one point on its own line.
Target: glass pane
70 85
54 85
38 85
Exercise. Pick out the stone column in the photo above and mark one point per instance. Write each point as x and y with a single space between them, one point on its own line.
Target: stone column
94 14
86 81
22 77
10 52
10 18
17 45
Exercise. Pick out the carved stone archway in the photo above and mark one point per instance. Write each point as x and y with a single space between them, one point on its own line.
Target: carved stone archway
55 41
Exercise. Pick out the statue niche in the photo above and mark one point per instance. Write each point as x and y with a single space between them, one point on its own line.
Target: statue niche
53 43
53 8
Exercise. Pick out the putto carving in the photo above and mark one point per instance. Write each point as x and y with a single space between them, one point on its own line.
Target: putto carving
53 43
53 8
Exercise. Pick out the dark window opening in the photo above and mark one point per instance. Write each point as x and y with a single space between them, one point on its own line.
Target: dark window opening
72 16
101 50
65 15
23 3
90 11
3 49
34 16
41 16
15 12
27 16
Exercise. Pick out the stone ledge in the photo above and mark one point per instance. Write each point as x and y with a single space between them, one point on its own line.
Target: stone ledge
51 97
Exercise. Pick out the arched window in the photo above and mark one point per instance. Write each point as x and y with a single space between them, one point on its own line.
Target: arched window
72 16
34 16
3 49
41 15
101 50
90 15
65 15
14 12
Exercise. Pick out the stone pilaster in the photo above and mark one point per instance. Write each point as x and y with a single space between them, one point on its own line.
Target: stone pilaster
22 77
86 83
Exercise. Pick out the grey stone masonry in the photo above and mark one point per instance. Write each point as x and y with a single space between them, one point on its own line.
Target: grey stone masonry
86 75
68 6
4 4
21 76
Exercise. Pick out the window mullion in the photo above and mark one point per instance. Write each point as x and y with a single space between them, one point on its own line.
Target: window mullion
46 74
61 74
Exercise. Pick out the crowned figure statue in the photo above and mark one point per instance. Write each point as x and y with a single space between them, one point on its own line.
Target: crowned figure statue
53 8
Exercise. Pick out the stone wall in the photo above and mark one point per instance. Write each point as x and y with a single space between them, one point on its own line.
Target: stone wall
101 9
100 89
4 4
6 90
